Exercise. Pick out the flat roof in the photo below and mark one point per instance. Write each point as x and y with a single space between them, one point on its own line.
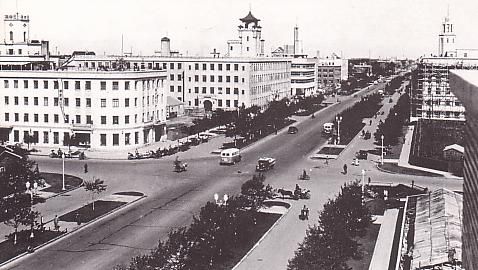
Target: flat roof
80 74
181 58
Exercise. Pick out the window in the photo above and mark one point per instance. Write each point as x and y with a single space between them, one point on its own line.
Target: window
88 102
171 88
15 83
67 119
35 117
196 78
179 66
211 90
196 66
126 102
25 117
25 100
236 79
179 77
115 103
136 102
55 101
126 85
103 139
115 86
45 101
35 101
236 91
45 137
179 88
204 90
204 78
45 118
11 35
7 117
219 78
103 120
228 90
228 66
5 84
7 101
66 102
103 103
17 117
103 85
228 103
16 136
78 119
219 102
88 85
236 67
219 66
77 85
66 85
88 119
211 67
236 103
127 138
171 77
204 66
55 84
196 90
126 119
115 139
211 78
45 84
15 100
35 84
228 78
78 102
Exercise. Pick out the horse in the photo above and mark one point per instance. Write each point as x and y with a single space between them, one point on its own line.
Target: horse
284 193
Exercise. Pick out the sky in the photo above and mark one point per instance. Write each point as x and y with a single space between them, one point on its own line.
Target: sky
352 28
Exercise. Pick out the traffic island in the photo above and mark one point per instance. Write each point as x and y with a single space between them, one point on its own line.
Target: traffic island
87 213
329 152
55 182
395 169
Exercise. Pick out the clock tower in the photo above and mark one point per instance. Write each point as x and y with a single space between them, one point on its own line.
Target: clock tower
446 39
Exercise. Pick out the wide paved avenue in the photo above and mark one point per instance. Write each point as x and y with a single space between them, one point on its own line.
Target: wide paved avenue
172 198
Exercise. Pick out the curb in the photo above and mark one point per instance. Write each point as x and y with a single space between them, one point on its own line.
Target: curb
261 239
80 227
391 172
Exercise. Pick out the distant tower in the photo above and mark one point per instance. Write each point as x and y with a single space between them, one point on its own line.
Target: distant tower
296 41
17 29
165 47
446 39
250 43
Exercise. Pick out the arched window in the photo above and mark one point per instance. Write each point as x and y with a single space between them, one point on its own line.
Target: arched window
11 35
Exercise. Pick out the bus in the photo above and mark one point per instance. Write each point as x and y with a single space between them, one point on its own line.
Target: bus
328 128
230 156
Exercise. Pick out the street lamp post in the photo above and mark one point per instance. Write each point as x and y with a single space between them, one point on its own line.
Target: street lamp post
338 119
63 172
382 137
363 186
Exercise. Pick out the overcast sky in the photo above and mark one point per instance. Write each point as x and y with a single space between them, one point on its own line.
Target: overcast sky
354 28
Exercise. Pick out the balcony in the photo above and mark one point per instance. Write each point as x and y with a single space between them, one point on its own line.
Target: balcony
82 127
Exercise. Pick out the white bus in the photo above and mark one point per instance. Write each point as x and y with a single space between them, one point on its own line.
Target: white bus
328 128
230 156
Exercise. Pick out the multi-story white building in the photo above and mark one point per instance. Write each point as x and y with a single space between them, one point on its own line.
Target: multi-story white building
97 109
431 94
303 76
207 82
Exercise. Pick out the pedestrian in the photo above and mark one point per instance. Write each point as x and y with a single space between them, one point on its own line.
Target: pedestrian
85 167
77 218
327 160
345 168
56 223
369 180
370 123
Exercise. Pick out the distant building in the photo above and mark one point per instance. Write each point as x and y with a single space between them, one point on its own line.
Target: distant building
453 152
431 95
17 50
464 84
331 70
250 42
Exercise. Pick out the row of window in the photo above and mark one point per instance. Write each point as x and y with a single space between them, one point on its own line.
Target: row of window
219 66
79 85
212 78
56 137
56 118
66 101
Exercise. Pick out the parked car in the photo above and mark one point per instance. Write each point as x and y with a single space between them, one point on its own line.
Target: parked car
265 164
292 130
361 154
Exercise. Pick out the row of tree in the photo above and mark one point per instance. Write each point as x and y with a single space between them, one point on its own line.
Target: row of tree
332 241
394 84
352 117
391 129
213 235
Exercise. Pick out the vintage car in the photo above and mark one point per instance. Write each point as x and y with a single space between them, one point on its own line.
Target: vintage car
265 164
361 154
292 130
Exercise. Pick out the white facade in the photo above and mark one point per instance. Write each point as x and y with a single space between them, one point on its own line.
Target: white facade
446 39
103 109
211 82
303 77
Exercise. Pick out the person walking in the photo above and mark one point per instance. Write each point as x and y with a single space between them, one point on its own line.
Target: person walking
85 167
345 168
56 223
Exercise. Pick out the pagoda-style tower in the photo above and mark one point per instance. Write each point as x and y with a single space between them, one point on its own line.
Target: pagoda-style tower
249 43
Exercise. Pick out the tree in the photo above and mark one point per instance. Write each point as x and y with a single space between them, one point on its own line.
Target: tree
95 187
255 191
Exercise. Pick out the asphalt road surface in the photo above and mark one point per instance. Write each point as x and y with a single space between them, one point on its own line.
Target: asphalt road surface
172 198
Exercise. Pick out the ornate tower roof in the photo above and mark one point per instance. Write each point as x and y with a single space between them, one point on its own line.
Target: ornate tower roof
249 19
